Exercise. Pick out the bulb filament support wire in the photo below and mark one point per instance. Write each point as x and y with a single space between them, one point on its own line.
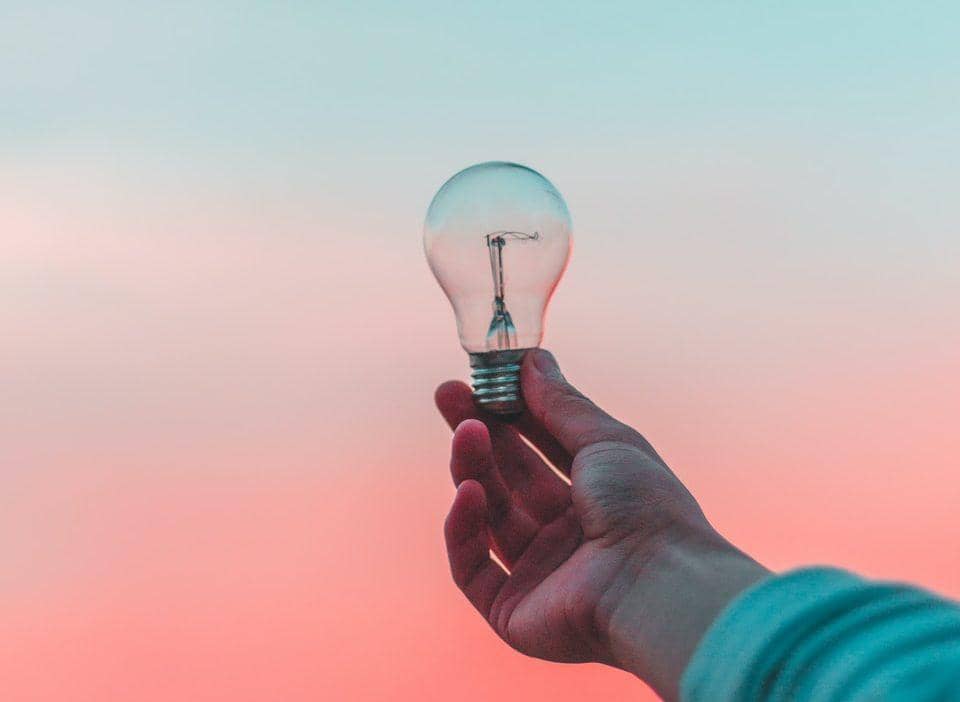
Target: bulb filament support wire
502 333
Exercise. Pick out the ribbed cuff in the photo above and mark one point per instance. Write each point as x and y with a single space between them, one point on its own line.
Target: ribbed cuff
751 637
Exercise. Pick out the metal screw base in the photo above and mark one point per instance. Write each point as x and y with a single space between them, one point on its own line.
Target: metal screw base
496 381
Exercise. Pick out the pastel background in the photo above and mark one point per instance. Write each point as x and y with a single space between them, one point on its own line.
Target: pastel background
221 473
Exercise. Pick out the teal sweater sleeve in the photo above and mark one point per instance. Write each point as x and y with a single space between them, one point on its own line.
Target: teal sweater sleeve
825 635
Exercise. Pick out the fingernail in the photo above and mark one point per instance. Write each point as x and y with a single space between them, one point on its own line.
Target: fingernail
544 362
465 422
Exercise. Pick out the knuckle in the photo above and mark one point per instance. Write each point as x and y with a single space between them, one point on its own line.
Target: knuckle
609 448
566 393
567 402
606 451
497 511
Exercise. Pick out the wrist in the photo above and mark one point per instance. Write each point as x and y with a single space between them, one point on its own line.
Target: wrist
669 597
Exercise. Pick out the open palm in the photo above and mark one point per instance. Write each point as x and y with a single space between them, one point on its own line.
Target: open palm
572 549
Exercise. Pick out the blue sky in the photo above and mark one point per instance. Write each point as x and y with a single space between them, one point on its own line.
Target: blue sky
842 116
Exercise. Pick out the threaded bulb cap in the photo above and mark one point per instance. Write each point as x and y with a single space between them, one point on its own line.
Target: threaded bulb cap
496 381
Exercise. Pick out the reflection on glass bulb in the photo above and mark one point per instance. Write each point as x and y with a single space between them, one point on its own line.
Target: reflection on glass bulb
497 237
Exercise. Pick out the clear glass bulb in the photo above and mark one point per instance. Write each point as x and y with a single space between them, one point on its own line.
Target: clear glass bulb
497 237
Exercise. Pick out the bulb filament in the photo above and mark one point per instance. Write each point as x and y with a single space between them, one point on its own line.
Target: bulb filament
502 334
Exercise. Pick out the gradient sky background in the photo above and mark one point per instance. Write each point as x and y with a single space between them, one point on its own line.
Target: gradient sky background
221 474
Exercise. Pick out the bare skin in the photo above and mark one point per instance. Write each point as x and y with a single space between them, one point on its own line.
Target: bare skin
621 567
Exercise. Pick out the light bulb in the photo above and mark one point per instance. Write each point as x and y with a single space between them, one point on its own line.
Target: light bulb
497 237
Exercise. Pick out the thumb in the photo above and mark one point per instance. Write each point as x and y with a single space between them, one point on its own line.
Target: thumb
563 410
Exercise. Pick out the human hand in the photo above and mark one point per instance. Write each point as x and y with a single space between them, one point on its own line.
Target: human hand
619 567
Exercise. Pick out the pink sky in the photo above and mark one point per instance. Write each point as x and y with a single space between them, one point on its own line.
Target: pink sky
224 478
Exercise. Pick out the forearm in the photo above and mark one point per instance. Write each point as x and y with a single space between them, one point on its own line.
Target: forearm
675 595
